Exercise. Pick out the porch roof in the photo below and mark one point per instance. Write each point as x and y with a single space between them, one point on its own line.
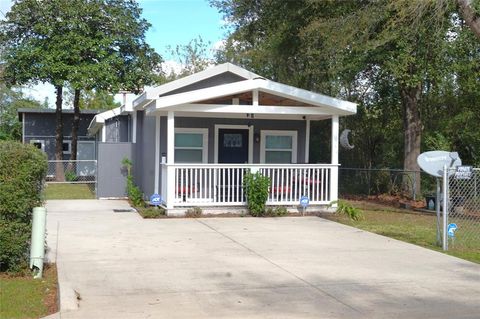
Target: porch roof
224 98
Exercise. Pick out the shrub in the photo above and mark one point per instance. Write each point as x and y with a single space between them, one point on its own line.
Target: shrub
151 212
70 176
134 193
22 172
344 208
194 212
256 189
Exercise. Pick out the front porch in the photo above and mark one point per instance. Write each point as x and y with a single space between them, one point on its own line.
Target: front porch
206 185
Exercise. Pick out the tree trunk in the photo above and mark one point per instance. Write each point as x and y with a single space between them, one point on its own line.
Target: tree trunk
472 19
412 125
76 123
59 169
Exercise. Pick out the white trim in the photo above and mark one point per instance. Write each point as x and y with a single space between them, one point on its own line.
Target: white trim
237 127
69 143
42 143
333 105
307 141
154 93
255 98
170 137
335 130
157 154
204 132
134 127
104 133
263 135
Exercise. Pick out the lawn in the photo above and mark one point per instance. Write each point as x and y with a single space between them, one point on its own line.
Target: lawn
69 191
408 226
25 297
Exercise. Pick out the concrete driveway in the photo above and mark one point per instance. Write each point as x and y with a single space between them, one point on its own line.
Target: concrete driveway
122 266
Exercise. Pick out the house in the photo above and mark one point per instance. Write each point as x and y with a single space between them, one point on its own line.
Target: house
193 139
38 128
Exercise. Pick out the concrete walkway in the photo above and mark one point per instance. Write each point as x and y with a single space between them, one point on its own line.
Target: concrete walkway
122 266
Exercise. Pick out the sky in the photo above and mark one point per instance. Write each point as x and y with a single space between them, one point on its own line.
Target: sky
174 22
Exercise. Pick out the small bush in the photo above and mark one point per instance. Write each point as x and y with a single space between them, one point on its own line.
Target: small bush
194 212
22 173
256 189
133 192
344 208
70 176
151 212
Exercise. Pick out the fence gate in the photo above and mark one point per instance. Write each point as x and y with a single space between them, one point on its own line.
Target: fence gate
463 217
73 172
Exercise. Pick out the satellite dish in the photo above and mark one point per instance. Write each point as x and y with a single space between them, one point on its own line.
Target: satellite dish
433 162
344 140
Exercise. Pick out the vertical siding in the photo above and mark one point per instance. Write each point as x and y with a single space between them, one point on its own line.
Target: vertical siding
111 174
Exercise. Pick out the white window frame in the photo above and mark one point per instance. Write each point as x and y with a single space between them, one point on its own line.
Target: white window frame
265 133
69 143
42 142
235 127
204 132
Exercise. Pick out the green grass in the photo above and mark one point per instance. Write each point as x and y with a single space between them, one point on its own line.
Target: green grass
25 297
69 191
408 226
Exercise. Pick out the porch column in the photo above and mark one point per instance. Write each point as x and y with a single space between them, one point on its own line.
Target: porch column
307 141
157 153
334 170
170 159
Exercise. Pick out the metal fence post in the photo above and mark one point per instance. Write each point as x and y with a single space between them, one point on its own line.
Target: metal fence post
414 188
445 207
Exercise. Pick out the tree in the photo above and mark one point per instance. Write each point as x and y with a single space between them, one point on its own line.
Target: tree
469 11
360 50
11 99
85 44
193 58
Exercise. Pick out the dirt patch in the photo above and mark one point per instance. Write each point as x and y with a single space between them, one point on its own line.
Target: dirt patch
51 296
396 201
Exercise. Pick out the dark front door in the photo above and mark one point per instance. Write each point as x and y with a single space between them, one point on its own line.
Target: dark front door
233 146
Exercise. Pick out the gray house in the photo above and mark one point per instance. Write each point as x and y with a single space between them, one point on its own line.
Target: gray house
38 128
192 140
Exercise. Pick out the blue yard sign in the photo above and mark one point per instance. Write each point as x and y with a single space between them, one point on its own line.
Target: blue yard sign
304 201
156 200
451 228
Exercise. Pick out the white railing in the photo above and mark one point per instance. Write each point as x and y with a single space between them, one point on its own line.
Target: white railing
221 184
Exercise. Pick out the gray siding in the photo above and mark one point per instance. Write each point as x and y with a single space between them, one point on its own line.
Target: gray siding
41 126
118 129
111 173
220 79
144 159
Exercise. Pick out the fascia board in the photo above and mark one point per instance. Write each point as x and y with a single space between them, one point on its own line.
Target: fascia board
336 106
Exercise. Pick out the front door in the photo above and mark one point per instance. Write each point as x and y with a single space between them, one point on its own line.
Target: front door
233 146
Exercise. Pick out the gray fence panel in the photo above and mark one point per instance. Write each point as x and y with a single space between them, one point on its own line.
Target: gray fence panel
111 174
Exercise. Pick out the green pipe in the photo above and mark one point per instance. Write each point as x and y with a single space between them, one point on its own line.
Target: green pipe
37 248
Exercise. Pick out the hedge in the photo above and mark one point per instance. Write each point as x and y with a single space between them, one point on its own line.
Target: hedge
22 173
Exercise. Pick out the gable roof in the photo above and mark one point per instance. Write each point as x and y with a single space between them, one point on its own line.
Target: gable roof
163 89
170 96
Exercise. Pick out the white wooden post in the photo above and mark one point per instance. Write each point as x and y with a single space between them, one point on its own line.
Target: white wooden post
170 159
255 98
104 132
334 169
157 153
134 126
307 141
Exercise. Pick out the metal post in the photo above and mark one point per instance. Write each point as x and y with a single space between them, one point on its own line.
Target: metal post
414 186
37 248
445 207
437 208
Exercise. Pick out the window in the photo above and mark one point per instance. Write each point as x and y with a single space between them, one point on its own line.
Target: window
40 144
191 145
278 147
67 147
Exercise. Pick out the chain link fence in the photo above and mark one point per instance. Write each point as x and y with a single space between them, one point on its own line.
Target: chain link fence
73 173
367 182
464 209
